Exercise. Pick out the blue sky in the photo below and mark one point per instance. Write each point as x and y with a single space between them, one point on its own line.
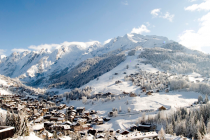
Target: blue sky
27 25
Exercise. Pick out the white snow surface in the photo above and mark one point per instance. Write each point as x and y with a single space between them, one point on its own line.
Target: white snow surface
195 76
3 82
32 136
3 91
170 137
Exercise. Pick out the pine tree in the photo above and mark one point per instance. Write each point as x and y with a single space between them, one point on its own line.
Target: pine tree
129 109
170 129
24 128
183 128
208 127
1 120
46 138
66 115
203 128
199 136
120 110
200 99
127 102
161 134
206 100
8 118
167 128
27 133
55 135
12 119
193 130
173 123
18 123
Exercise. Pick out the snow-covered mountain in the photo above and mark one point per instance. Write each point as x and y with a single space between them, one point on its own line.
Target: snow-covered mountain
32 65
76 63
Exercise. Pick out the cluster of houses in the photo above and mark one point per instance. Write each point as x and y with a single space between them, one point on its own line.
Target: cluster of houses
61 119
150 82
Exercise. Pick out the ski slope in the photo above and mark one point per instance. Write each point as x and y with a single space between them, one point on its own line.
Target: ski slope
106 82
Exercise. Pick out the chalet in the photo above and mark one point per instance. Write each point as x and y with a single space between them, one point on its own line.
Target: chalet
62 106
82 121
98 121
125 132
55 119
38 129
92 112
45 133
110 114
133 127
92 132
132 94
53 108
107 94
39 120
47 117
86 113
111 131
45 110
70 108
162 108
67 123
60 127
71 118
148 93
144 90
47 125
79 127
106 119
80 110
126 93
86 117
6 132
100 136
98 95
117 82
144 127
100 131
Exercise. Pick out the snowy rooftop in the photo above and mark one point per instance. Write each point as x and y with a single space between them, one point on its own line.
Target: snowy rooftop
5 128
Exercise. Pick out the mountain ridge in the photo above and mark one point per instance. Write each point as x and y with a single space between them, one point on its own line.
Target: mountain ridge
44 67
